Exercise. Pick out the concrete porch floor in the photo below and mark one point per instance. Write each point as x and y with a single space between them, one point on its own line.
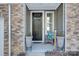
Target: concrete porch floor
39 49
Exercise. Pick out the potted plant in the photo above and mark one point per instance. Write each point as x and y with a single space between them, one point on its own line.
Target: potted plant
29 40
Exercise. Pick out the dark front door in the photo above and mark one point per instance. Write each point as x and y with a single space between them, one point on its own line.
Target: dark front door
37 26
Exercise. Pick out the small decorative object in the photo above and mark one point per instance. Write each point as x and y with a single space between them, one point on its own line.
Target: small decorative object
50 35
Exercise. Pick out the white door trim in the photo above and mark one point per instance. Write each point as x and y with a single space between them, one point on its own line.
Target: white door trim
42 24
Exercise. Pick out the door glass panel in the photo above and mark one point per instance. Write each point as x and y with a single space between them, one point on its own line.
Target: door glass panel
37 26
49 22
49 26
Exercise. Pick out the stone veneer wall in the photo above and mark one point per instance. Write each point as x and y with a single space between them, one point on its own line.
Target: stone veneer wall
17 16
72 27
4 12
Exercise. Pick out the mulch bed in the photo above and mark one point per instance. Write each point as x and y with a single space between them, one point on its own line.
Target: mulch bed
58 53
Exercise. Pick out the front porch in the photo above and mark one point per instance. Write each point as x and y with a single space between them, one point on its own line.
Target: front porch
40 27
45 28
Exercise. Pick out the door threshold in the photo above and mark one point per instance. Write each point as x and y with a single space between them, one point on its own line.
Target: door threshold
37 41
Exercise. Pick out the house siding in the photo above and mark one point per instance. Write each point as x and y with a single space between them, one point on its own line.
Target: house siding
58 21
72 27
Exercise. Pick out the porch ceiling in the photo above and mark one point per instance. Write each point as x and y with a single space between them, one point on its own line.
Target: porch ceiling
43 6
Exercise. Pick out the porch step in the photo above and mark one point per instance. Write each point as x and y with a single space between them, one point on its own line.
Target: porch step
35 54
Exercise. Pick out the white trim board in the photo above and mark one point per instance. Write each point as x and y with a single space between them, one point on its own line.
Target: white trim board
9 9
24 29
65 18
